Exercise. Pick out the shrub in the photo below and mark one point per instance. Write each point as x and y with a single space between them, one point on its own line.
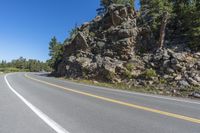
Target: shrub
149 73
110 75
92 34
9 69
128 74
129 66
162 81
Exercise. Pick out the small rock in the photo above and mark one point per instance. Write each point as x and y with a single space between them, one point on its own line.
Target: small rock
95 82
183 69
72 58
143 83
170 52
166 55
67 67
197 78
179 77
100 44
168 77
146 58
152 64
150 82
169 70
174 91
191 65
197 54
177 67
198 65
174 61
179 56
195 94
159 55
166 63
184 83
192 74
193 82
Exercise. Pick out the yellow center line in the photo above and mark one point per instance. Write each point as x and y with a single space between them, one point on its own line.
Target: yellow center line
178 116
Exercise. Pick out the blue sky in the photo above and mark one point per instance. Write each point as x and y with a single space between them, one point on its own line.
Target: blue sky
26 26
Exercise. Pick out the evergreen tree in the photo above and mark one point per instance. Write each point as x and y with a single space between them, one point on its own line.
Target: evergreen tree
155 14
179 26
132 3
3 64
55 52
23 64
194 24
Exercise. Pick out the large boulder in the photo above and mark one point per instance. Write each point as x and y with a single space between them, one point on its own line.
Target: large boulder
120 13
79 42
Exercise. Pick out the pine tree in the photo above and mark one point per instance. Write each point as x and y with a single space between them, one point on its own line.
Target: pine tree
55 52
179 25
155 14
52 46
194 24
132 3
185 24
3 64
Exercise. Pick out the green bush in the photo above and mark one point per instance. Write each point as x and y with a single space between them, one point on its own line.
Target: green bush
162 81
128 74
92 34
110 75
130 66
149 73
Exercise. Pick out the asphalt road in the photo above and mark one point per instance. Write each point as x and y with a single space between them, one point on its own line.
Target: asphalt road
34 103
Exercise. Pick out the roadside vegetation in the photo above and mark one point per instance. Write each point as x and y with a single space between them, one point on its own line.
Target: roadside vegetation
23 65
147 89
10 69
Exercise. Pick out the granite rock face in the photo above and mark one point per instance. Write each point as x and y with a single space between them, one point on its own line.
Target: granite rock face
102 47
106 49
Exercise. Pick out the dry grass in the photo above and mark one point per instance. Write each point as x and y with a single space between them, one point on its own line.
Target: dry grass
147 90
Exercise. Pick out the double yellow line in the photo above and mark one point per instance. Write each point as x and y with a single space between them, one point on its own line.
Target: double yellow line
186 118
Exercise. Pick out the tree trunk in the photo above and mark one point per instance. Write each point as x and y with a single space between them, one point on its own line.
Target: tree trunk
163 28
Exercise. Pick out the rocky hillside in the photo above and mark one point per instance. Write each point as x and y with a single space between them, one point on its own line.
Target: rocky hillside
111 48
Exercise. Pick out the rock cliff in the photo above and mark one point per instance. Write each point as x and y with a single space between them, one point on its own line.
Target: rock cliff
109 49
102 47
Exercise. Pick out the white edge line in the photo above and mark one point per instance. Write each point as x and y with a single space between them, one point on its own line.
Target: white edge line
134 93
55 126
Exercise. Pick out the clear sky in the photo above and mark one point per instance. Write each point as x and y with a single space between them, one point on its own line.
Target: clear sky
26 26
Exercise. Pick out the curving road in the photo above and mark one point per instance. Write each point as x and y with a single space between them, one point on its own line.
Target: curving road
34 103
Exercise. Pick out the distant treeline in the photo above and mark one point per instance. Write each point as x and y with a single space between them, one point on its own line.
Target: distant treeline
23 64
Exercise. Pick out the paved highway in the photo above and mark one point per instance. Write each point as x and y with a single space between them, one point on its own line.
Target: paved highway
34 103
